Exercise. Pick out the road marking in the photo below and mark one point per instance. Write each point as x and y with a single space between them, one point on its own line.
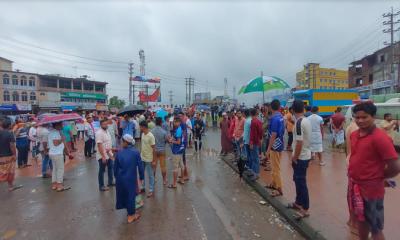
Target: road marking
203 232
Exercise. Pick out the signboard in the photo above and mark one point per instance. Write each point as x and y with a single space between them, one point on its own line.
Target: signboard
8 107
84 95
24 107
202 96
382 84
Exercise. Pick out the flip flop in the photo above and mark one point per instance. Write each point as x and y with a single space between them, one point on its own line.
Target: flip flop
171 186
134 219
270 186
63 189
181 182
298 215
292 206
276 193
14 188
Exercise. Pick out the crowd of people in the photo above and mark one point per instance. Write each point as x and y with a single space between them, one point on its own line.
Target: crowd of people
258 133
128 148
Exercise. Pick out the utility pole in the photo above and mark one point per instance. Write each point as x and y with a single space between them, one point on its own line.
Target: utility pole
391 23
225 87
189 83
130 83
263 93
171 95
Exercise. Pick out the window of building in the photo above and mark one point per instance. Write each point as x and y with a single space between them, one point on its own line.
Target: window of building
6 79
382 58
66 84
15 96
6 96
88 86
24 96
42 94
370 78
14 80
31 82
99 88
33 96
77 85
334 74
24 82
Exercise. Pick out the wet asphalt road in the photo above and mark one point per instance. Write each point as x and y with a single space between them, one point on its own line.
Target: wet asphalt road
212 205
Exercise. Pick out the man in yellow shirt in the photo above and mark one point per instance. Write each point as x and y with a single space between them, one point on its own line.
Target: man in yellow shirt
148 153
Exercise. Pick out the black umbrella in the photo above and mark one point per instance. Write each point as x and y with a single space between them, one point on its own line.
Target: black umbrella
132 110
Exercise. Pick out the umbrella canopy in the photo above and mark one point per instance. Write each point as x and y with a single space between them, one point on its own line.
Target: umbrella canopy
47 119
263 84
132 110
161 113
203 107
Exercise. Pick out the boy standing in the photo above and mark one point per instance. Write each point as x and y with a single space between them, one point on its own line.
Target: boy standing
148 153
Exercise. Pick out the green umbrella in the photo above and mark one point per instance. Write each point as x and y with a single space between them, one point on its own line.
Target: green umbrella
263 84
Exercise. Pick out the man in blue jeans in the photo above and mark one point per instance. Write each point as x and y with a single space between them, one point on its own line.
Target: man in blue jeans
256 135
300 159
246 138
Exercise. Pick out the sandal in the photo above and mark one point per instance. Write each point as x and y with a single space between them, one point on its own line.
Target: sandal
181 182
150 194
171 186
300 215
14 188
276 193
63 189
133 218
293 206
270 186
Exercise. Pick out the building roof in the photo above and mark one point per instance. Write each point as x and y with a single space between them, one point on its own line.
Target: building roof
5 59
68 78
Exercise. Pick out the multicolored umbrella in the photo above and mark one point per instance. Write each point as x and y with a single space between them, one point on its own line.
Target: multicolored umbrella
263 84
47 119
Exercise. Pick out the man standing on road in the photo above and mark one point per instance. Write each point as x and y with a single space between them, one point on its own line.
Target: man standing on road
246 139
43 134
104 155
373 160
256 135
317 135
127 165
300 159
198 132
337 123
8 154
148 154
389 125
88 136
56 143
238 132
276 131
289 118
161 137
177 147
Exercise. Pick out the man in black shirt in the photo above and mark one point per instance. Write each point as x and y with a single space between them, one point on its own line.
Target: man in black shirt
198 131
7 154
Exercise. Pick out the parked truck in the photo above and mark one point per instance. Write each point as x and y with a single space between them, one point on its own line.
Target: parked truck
326 100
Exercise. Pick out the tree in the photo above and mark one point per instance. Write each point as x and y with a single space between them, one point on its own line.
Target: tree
114 102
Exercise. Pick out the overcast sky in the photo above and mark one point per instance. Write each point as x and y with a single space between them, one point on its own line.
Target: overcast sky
202 39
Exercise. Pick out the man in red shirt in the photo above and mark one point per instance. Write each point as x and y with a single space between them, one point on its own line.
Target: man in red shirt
373 159
256 135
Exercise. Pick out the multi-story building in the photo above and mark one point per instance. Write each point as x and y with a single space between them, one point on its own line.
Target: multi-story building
71 93
377 73
22 91
315 77
18 90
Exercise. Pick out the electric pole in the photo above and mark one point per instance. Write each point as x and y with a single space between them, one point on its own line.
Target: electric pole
391 23
225 87
130 84
171 95
189 83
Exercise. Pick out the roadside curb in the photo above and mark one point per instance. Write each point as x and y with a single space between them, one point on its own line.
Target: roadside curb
304 228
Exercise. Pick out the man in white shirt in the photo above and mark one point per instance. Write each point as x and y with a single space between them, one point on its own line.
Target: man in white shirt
104 155
88 136
42 135
56 153
300 159
317 134
32 135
